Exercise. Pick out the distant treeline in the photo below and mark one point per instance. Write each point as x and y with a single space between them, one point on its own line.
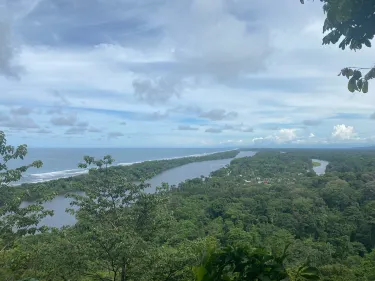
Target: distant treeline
135 172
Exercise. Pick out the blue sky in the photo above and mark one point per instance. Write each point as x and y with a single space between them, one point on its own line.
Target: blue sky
166 73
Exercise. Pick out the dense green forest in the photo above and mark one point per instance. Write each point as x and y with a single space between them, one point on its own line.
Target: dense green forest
266 217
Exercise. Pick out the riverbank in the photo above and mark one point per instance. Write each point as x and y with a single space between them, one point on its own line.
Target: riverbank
173 177
132 172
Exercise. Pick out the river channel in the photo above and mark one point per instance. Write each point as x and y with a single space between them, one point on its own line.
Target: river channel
173 177
320 170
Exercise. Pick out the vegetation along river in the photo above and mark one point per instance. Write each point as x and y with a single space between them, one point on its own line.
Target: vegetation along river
172 177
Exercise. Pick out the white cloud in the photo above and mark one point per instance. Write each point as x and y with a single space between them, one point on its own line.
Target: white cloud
343 132
232 142
212 65
285 135
311 135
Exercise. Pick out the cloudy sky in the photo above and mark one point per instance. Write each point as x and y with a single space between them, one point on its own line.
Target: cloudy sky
167 73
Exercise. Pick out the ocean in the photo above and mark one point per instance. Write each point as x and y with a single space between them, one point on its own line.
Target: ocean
63 162
172 177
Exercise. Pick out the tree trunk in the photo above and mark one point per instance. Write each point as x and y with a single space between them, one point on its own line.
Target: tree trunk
123 271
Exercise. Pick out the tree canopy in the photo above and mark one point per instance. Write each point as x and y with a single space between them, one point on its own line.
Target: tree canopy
351 23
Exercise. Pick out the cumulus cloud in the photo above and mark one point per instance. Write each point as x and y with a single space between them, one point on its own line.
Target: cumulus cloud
155 91
218 114
232 142
187 128
228 48
76 131
22 110
282 136
311 122
213 130
285 135
343 132
19 123
115 135
69 120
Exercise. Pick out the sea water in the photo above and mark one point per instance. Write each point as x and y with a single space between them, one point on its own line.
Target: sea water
63 162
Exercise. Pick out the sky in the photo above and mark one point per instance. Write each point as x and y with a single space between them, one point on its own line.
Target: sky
167 73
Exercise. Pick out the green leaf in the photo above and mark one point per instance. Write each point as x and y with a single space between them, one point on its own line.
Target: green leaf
357 74
310 273
365 87
199 272
352 85
368 43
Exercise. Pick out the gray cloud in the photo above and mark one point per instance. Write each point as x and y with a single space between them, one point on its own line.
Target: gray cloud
218 114
19 123
8 52
115 135
213 130
82 124
22 110
273 128
86 24
123 123
187 128
44 131
311 122
189 109
94 130
4 117
240 46
248 130
157 115
372 116
69 120
59 104
155 91
76 131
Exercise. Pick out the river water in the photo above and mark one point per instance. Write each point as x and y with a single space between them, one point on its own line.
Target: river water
320 170
173 177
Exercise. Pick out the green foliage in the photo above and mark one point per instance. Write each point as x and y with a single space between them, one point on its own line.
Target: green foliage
316 164
352 22
16 221
236 264
244 216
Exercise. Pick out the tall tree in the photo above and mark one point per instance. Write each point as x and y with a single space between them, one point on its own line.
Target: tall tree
117 221
16 221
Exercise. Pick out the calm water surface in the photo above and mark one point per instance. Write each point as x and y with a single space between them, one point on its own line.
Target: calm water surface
172 177
320 170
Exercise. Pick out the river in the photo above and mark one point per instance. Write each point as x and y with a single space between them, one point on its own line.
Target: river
173 177
320 170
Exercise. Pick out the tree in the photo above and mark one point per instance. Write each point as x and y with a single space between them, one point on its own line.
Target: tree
16 221
352 22
118 224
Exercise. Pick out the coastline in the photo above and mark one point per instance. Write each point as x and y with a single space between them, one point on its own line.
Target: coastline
133 172
37 178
